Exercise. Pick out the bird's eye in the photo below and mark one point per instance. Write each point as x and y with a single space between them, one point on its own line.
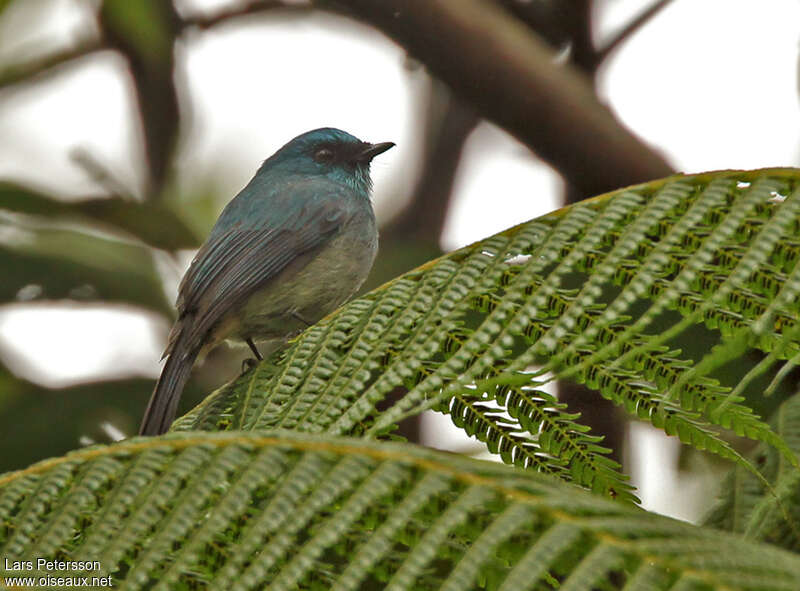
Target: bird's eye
323 155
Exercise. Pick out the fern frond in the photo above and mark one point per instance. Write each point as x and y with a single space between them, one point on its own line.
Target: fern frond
614 292
283 510
746 506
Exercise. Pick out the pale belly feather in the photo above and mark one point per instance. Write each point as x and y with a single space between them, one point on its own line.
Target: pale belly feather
305 292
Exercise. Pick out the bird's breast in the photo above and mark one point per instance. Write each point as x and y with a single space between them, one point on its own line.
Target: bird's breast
313 285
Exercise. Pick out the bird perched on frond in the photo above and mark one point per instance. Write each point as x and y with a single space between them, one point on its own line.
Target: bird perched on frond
292 246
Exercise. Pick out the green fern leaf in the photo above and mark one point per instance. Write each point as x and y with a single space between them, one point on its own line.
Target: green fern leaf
600 292
614 292
770 513
283 510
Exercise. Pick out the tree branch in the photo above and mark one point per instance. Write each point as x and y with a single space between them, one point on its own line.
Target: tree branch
151 62
23 72
99 173
115 212
493 61
450 123
629 29
253 7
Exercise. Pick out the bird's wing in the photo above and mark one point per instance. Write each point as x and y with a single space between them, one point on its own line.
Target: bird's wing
237 261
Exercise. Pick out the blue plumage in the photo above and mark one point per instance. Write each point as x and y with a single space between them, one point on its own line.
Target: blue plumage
294 244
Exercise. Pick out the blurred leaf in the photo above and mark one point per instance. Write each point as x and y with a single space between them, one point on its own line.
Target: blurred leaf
70 264
38 422
4 4
143 24
152 223
9 390
745 505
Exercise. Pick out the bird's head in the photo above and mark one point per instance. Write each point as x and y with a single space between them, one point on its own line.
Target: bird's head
328 152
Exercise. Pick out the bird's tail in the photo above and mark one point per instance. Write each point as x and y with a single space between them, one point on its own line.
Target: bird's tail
161 409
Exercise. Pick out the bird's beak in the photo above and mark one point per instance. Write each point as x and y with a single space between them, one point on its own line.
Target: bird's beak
371 150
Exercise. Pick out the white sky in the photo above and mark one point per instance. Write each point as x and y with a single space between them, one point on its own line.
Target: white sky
710 83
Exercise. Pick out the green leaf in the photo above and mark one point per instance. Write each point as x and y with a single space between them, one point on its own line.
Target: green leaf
602 292
4 4
38 422
71 264
131 217
144 25
285 511
767 513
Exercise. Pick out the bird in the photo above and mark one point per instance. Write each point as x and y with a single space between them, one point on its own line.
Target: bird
294 244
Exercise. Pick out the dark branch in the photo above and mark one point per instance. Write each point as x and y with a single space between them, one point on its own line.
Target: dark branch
549 18
629 30
151 65
577 20
254 7
99 173
26 71
450 123
495 62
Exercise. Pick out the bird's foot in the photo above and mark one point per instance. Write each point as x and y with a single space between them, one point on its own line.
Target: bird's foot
248 364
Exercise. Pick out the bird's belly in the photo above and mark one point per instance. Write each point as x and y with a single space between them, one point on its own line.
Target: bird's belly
301 296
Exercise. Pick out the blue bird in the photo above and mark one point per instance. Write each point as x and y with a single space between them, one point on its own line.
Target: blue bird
292 246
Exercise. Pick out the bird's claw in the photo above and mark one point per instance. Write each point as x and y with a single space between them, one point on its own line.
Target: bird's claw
248 364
